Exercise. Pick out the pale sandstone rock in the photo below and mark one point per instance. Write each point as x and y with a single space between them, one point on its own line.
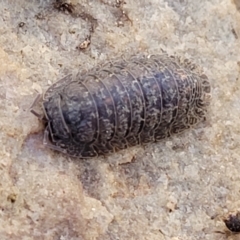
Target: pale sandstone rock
168 190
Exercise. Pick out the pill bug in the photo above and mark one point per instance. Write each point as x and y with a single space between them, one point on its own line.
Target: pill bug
232 222
123 103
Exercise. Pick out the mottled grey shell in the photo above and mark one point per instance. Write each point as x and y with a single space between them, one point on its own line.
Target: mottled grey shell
122 104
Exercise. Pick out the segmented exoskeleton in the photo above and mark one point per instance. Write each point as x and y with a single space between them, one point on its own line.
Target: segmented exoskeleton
124 103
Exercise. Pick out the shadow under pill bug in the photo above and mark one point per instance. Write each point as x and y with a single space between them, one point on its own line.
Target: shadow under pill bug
123 103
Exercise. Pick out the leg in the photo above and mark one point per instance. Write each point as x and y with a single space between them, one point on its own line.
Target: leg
48 143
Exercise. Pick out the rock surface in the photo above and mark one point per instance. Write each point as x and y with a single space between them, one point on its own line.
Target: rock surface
175 189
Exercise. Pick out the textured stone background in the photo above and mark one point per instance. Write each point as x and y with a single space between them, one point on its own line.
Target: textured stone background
177 189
